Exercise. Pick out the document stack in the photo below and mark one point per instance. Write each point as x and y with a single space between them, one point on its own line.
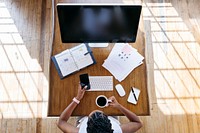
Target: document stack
122 60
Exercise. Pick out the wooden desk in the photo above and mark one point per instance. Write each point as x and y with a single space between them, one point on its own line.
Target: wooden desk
62 92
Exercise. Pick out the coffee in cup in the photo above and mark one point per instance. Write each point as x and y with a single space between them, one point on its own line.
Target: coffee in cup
102 101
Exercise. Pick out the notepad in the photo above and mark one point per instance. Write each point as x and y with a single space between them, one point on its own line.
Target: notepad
131 98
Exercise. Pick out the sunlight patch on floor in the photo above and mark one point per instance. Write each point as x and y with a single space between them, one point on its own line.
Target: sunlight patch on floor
176 60
23 85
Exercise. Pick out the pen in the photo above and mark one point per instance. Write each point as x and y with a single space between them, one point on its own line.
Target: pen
87 53
133 94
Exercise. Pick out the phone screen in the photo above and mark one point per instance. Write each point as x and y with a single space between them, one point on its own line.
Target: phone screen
84 79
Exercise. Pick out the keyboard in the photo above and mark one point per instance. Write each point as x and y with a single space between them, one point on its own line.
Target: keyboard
101 83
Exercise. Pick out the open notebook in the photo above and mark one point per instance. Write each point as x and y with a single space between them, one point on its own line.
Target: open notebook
72 60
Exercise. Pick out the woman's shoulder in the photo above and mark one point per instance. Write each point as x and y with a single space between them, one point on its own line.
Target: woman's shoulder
115 124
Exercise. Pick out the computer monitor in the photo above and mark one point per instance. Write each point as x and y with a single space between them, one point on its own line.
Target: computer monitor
98 23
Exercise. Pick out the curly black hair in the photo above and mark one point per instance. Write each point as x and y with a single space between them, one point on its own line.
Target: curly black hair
99 123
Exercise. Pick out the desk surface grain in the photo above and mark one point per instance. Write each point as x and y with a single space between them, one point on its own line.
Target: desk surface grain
62 92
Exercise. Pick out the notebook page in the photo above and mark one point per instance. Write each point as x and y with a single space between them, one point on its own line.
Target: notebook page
66 63
79 56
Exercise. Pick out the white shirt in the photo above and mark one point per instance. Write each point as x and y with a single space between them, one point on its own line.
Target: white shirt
115 125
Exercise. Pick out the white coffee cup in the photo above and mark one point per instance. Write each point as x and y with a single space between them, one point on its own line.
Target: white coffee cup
102 101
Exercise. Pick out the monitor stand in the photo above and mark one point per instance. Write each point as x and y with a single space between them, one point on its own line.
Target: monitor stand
98 45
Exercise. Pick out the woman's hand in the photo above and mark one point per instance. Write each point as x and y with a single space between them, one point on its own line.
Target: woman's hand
114 102
81 92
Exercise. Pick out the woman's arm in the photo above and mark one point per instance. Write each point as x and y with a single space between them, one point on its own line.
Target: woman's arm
62 122
134 124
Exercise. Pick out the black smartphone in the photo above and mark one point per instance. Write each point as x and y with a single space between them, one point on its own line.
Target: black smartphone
84 79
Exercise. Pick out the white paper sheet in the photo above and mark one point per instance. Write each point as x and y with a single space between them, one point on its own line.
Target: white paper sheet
122 60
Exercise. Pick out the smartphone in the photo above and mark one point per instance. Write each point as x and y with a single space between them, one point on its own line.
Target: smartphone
84 79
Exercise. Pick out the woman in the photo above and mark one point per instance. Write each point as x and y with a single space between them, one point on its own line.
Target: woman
97 121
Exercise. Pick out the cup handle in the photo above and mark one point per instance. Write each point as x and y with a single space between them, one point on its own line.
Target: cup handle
109 101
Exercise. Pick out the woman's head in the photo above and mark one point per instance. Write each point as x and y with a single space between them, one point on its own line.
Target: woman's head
98 122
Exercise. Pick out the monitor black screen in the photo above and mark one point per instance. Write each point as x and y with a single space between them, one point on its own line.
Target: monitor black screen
98 23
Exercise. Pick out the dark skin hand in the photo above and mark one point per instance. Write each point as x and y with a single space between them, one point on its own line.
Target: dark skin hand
134 124
62 122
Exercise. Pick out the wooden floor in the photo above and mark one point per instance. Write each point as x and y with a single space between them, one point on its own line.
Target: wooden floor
172 29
